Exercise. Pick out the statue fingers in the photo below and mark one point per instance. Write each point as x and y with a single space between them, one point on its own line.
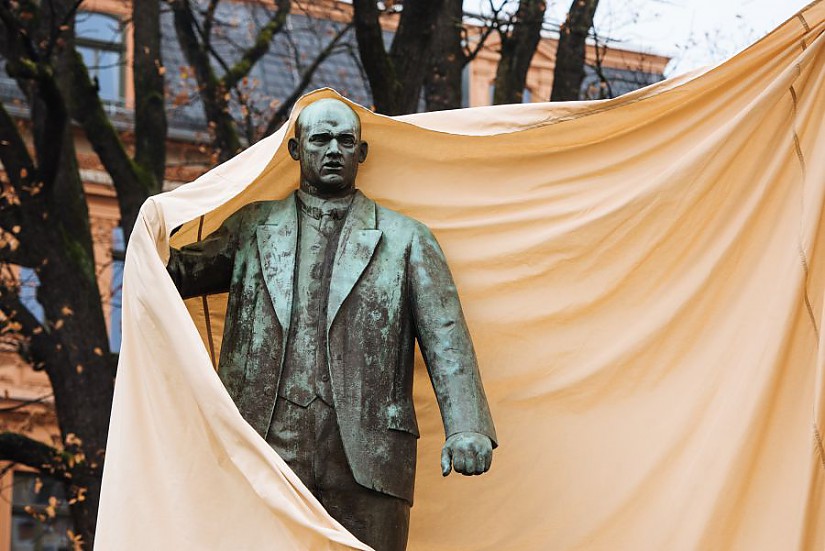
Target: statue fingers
458 462
469 464
446 460
481 463
485 458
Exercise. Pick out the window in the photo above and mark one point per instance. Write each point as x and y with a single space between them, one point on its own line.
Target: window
35 497
526 96
116 304
100 41
465 85
29 283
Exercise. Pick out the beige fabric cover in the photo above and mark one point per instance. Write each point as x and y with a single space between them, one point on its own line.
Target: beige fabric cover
645 282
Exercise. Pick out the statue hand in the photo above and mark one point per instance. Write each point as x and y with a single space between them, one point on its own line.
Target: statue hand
469 452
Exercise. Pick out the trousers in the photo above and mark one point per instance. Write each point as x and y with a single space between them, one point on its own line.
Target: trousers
309 441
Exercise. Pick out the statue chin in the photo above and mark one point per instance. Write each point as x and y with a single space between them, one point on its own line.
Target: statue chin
331 187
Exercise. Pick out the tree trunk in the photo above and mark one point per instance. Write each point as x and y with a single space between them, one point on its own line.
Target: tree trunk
517 49
214 96
214 91
568 73
150 108
71 343
81 378
396 78
443 82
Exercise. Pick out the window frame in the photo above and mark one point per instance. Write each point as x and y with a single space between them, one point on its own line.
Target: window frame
117 47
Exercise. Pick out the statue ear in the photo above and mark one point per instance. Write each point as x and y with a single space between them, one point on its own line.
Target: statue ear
294 148
363 148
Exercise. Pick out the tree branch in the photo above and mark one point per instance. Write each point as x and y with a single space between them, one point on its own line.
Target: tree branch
605 88
22 200
282 114
47 104
208 21
56 30
471 53
206 40
26 403
11 250
41 349
396 77
214 95
13 152
31 453
22 38
196 55
517 51
259 47
132 182
374 56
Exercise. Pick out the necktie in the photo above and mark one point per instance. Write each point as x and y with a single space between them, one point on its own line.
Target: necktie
327 225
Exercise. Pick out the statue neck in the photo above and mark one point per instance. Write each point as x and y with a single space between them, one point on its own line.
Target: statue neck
309 189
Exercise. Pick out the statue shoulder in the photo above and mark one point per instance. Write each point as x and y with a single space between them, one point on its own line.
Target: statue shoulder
254 213
394 221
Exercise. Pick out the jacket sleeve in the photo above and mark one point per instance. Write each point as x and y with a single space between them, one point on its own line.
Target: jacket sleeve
445 340
205 267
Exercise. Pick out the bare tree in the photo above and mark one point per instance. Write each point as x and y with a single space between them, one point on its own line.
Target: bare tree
195 37
519 39
223 84
43 211
568 73
457 42
331 41
396 76
44 218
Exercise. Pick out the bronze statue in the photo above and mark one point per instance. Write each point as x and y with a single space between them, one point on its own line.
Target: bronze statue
327 293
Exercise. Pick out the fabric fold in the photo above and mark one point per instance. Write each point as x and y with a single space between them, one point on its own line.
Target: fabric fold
644 280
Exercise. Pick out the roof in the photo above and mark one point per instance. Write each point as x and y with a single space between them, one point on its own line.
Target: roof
275 77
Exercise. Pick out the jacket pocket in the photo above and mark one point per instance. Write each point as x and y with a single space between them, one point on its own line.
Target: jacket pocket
401 417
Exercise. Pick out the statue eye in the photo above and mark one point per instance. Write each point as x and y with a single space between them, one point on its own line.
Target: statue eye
320 138
348 141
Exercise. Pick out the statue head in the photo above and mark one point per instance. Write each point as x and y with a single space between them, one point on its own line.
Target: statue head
328 145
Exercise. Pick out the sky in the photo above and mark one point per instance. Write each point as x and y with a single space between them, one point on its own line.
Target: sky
693 32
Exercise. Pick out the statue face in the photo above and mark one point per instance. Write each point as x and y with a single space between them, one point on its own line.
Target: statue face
329 147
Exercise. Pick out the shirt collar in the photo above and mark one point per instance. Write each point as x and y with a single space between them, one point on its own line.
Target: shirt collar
316 207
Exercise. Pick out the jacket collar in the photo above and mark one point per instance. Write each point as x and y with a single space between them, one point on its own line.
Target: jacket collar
359 238
277 240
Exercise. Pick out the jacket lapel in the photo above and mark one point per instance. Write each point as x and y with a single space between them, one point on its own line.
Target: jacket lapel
355 249
277 242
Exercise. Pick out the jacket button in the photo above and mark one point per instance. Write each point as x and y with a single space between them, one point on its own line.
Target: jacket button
325 377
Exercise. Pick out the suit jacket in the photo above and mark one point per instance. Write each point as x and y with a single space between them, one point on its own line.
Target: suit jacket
390 285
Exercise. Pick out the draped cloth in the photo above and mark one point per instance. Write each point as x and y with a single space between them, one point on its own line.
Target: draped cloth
644 280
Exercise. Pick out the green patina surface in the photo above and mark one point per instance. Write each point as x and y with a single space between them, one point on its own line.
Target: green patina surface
374 285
